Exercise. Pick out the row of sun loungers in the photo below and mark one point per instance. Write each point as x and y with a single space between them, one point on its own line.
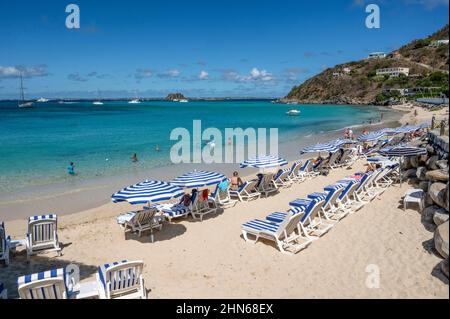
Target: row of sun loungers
312 217
113 281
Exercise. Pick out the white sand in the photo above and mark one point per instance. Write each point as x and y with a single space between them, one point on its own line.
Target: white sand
210 259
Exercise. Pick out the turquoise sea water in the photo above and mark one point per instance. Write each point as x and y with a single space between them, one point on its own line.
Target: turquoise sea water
36 145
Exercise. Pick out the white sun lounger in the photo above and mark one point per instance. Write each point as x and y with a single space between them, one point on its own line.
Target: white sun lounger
51 284
142 221
294 174
222 198
4 244
332 161
121 280
266 186
42 234
201 208
286 234
179 210
330 209
347 201
246 191
311 225
282 179
312 222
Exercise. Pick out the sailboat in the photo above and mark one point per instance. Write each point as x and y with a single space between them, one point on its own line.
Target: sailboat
22 103
98 102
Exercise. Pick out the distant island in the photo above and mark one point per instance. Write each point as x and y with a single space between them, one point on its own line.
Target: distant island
175 97
418 69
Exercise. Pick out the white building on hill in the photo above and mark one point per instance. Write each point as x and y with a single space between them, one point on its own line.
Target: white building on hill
377 55
393 71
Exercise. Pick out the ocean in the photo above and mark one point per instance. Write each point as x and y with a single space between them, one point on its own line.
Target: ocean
37 144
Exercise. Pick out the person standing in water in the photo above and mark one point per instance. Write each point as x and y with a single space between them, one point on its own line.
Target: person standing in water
71 169
157 148
381 116
134 158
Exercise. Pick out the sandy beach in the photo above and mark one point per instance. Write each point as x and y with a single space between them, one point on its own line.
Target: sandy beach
209 259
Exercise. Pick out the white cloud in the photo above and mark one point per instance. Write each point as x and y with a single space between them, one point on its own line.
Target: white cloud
172 73
28 72
255 75
203 75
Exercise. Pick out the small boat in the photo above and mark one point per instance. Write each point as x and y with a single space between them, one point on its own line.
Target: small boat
293 112
134 101
42 100
98 102
22 103
183 101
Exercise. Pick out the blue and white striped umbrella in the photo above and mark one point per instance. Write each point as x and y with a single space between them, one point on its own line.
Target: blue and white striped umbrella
196 179
424 126
268 161
372 136
403 150
406 129
148 191
390 131
342 141
323 147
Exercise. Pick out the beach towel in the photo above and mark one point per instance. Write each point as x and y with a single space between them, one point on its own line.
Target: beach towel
223 186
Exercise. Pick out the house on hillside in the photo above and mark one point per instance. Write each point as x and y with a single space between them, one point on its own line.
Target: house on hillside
377 55
393 72
438 43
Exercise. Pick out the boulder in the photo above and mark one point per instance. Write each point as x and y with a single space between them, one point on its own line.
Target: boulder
440 216
412 172
438 175
424 185
442 164
444 266
428 213
423 159
431 163
414 161
421 173
406 163
445 198
437 192
428 199
441 239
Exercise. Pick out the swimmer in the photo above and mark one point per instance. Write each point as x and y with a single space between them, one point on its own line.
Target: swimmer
71 168
134 158
157 148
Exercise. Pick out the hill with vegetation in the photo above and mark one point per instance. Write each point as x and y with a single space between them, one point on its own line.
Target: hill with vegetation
357 82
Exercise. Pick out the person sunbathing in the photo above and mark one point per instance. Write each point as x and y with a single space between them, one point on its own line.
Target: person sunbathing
236 181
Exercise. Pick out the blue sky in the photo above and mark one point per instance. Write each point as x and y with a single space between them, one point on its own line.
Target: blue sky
201 48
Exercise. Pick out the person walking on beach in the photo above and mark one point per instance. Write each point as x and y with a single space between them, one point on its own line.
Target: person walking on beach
433 121
350 134
71 169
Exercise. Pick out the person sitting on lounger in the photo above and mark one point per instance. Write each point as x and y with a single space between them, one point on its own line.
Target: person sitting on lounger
236 181
317 160
187 198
